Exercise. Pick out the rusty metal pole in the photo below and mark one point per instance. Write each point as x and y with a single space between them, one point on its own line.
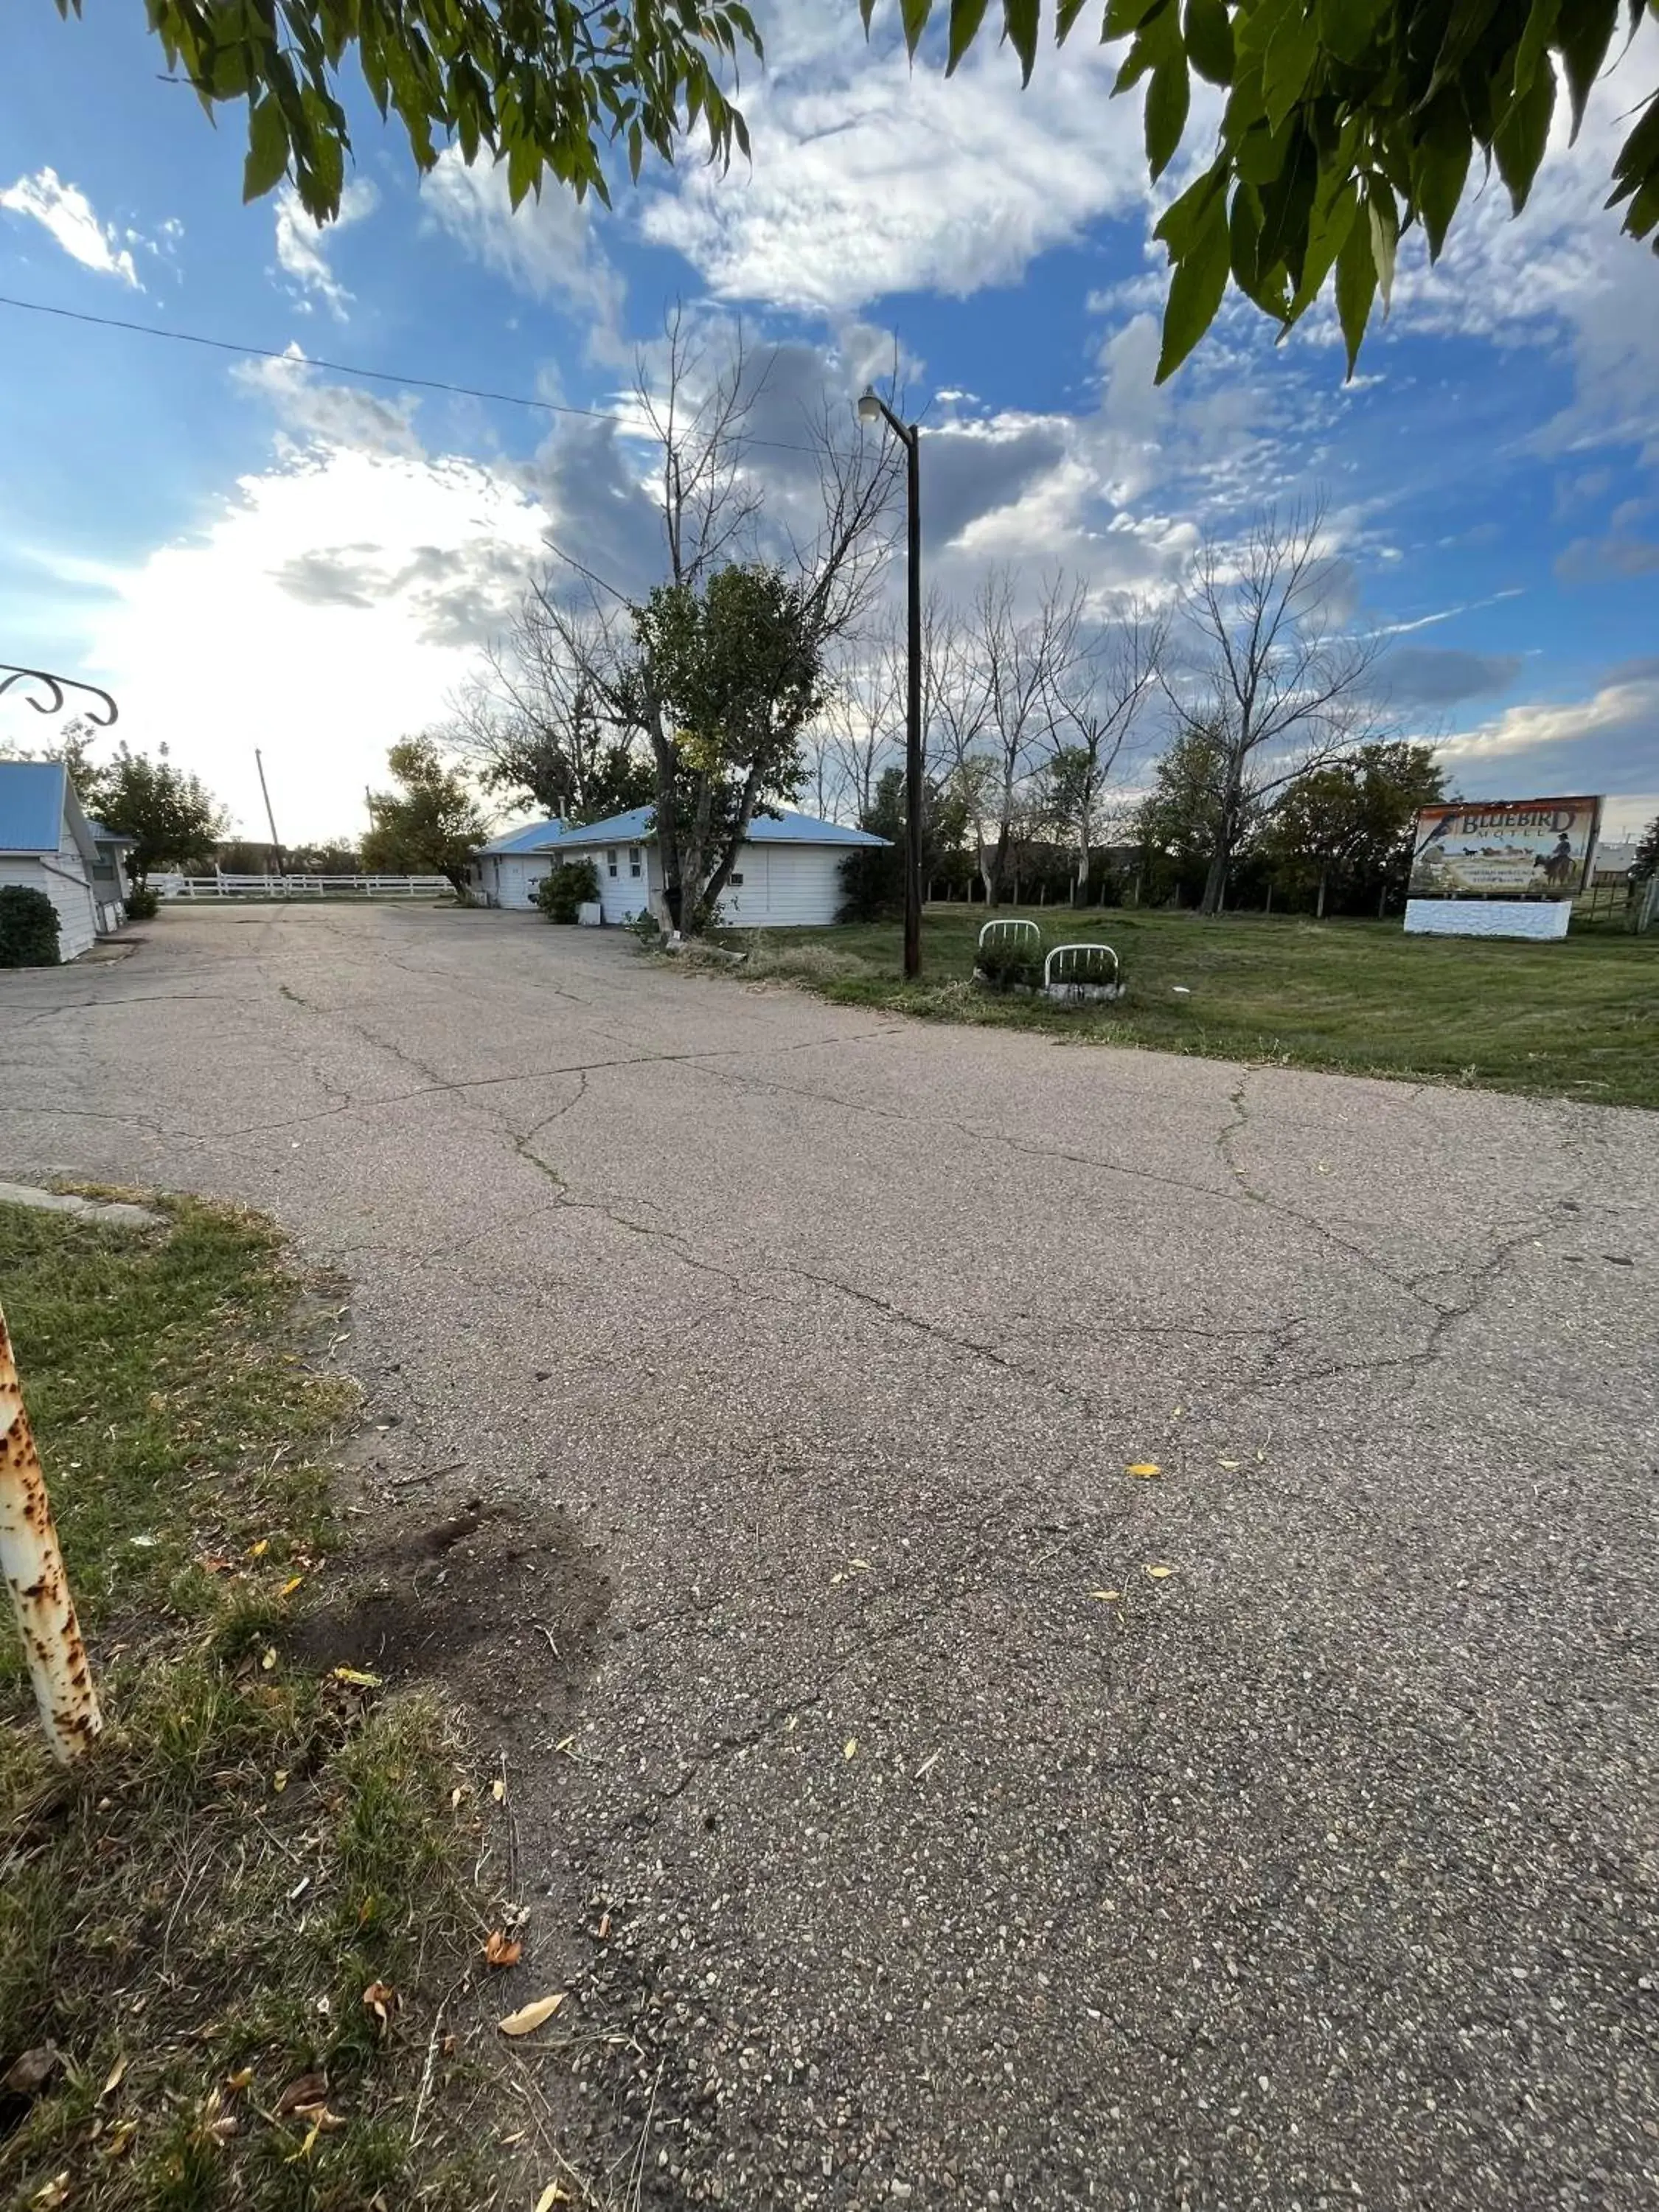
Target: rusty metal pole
34 1568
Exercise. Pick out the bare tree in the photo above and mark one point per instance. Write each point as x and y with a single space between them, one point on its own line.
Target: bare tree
535 723
861 729
1278 683
998 671
1095 700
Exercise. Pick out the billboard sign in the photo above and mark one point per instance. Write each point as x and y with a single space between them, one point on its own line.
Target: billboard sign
1504 848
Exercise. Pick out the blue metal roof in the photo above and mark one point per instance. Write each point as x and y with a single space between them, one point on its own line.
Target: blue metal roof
639 826
32 801
101 836
531 838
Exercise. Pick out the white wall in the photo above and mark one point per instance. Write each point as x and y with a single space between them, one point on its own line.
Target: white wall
624 895
510 878
1534 917
785 887
60 878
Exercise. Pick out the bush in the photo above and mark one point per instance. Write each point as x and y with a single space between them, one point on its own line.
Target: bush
646 926
564 887
29 928
143 903
1011 965
871 884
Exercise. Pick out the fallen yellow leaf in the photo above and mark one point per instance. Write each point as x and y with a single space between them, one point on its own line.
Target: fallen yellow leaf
50 2193
498 1790
500 1951
112 2079
1229 1462
1144 1466
1108 1597
850 1748
279 1780
530 2017
860 1566
257 1551
1158 1573
290 1586
118 2141
240 2080
268 1658
357 1678
553 2195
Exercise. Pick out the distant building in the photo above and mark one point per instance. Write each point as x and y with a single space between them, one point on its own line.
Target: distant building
787 876
48 843
506 871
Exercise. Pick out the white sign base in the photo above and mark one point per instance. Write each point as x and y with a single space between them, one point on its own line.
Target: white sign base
1535 918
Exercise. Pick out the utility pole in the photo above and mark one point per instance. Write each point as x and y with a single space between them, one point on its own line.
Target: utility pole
872 408
276 843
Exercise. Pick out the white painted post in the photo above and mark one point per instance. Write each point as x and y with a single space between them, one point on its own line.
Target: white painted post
34 1568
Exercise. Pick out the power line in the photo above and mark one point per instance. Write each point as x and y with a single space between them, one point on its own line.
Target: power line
343 367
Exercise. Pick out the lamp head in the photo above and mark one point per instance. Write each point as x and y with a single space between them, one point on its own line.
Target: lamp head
869 406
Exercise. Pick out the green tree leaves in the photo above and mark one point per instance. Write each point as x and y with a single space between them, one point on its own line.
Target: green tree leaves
1346 122
543 85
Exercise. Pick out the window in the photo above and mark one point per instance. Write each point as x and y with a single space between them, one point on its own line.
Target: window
736 879
610 862
633 860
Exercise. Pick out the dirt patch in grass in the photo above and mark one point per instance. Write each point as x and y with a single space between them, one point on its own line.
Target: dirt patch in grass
457 1600
242 1946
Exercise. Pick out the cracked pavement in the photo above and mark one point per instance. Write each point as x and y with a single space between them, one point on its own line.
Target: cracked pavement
1319 1871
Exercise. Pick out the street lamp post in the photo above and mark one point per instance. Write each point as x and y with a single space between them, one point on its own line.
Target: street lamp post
873 408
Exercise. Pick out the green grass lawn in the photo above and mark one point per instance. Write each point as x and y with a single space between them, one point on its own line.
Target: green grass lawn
189 1921
1578 1019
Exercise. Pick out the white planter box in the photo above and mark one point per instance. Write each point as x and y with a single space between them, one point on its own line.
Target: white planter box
589 913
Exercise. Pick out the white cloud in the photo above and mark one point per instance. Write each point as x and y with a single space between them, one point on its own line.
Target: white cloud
545 247
870 179
326 607
300 243
1561 275
1618 724
65 212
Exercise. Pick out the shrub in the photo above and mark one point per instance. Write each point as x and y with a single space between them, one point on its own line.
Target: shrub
563 889
29 928
871 884
1011 965
143 903
646 926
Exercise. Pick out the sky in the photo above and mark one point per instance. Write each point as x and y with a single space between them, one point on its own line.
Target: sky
266 554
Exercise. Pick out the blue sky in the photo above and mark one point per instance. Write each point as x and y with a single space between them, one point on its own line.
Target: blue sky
263 554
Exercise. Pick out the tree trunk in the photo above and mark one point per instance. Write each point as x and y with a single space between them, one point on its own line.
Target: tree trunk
1319 910
1215 882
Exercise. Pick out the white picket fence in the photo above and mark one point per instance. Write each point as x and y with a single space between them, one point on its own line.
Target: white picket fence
223 886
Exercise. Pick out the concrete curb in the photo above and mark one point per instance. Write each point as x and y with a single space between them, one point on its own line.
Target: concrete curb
113 1212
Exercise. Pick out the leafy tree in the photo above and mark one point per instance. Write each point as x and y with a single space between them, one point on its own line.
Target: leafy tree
1179 821
174 818
431 827
1647 854
546 87
1347 825
1346 122
872 876
725 677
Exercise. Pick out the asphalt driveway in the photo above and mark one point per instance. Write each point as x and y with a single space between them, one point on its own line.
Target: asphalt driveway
979 1823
